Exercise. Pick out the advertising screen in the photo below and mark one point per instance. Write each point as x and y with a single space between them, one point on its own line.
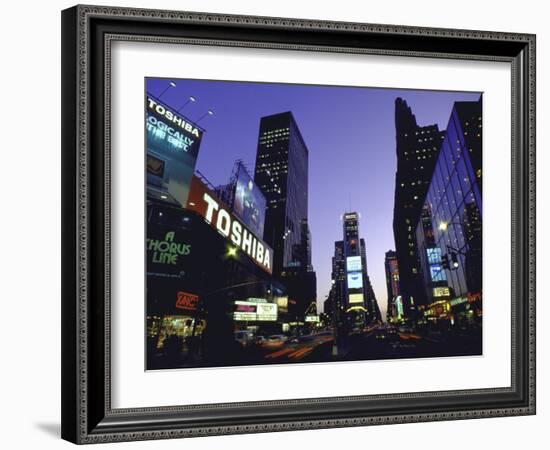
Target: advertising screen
282 303
434 255
355 280
437 272
311 318
399 304
441 292
155 166
254 311
172 147
353 263
250 203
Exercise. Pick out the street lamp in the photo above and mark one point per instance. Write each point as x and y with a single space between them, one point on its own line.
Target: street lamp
454 252
191 99
170 84
207 113
443 226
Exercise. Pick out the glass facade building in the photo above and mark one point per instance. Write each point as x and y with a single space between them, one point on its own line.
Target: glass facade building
449 235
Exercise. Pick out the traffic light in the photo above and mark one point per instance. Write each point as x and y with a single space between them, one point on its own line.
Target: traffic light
445 261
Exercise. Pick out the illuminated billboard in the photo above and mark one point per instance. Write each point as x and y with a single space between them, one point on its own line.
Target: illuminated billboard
441 292
217 215
172 143
249 204
353 264
355 280
260 311
312 318
168 250
434 255
282 303
437 272
186 300
355 298
155 167
399 305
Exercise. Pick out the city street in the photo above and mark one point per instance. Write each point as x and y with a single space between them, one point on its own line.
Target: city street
304 348
388 342
377 342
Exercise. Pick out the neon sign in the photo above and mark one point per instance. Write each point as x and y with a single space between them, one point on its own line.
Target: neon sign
227 224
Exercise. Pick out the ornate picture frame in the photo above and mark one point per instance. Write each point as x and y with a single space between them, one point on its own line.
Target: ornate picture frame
88 33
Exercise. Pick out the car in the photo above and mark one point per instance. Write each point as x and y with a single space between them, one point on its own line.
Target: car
380 336
275 340
244 337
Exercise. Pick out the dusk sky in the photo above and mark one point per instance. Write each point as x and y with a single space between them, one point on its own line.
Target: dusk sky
350 134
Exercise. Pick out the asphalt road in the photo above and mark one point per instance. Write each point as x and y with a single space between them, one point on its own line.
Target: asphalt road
377 342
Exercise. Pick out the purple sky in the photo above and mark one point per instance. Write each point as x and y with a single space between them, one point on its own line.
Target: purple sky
350 134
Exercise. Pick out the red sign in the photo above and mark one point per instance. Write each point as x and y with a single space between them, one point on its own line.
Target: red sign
473 296
217 215
187 301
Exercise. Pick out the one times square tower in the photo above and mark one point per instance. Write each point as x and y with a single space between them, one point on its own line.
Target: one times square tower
352 286
282 174
417 149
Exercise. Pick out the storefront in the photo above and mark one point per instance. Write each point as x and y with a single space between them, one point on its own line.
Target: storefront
195 276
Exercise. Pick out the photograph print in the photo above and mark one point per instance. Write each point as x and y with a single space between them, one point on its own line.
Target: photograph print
295 223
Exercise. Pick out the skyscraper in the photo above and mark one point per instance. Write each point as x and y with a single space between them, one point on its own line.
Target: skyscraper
301 252
370 298
351 283
282 174
449 232
417 149
337 292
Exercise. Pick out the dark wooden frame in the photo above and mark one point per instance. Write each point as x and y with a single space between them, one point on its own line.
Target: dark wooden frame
87 32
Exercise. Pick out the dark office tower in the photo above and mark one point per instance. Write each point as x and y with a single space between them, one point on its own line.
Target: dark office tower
328 308
473 254
338 279
282 174
417 148
301 254
392 284
370 299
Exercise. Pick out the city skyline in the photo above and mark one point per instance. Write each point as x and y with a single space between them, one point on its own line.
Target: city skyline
356 124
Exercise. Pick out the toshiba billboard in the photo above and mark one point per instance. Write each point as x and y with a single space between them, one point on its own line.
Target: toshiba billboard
216 213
